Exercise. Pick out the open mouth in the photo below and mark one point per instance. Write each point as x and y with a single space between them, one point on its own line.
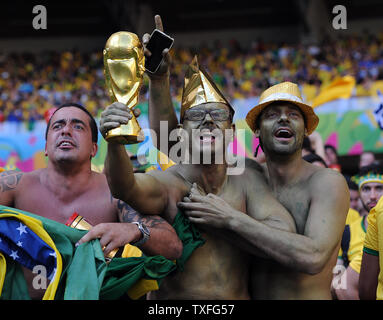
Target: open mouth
207 137
65 144
283 133
372 205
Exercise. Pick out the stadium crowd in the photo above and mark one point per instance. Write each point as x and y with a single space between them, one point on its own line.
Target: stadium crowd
31 84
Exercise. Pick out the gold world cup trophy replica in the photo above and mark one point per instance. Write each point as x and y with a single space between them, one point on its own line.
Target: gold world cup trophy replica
124 67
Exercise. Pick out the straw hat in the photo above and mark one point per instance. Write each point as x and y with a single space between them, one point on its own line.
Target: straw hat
285 91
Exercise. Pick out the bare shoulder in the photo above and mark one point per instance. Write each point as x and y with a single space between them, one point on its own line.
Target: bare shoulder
99 178
252 164
254 174
14 183
10 180
170 177
328 185
322 177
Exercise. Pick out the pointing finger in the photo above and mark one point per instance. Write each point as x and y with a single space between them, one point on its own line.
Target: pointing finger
158 22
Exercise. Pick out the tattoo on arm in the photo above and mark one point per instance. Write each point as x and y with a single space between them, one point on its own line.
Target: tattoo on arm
128 214
9 180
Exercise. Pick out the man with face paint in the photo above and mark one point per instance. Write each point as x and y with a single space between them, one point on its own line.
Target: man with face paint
317 198
301 263
219 268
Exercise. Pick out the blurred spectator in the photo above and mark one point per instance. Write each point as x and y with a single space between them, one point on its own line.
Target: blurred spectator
366 158
332 157
306 147
50 78
355 201
370 184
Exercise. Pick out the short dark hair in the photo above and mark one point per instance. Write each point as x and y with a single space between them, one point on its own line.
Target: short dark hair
352 185
92 121
373 168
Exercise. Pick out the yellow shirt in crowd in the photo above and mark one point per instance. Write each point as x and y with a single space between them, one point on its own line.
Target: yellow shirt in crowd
355 249
352 216
374 240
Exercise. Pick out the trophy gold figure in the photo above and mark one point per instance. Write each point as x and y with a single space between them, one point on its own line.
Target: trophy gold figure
124 67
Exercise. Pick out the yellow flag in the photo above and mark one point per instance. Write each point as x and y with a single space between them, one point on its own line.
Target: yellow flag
339 88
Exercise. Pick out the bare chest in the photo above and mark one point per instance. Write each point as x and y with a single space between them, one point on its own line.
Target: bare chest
232 193
296 200
94 205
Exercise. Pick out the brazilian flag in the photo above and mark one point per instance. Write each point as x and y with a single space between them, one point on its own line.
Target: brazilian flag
78 272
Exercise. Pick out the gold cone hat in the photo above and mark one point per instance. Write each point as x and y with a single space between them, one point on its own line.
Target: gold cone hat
199 88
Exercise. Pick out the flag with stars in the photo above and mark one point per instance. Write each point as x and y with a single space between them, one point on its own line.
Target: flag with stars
76 273
25 247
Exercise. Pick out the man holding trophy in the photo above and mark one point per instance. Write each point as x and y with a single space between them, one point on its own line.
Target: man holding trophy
217 269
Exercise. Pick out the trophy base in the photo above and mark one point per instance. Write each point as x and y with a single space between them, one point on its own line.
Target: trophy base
125 139
129 133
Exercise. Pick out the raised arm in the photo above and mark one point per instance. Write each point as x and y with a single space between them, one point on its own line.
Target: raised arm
141 191
160 101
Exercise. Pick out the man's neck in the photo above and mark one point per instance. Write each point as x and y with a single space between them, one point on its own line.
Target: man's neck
283 169
60 179
211 177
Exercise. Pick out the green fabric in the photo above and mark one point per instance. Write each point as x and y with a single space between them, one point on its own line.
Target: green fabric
85 274
370 251
92 278
122 273
15 285
189 235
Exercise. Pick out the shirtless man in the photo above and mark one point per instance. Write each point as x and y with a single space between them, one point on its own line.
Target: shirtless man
68 185
301 263
219 268
318 199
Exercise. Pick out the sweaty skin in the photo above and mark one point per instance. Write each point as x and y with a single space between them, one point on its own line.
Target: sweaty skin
218 269
298 266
